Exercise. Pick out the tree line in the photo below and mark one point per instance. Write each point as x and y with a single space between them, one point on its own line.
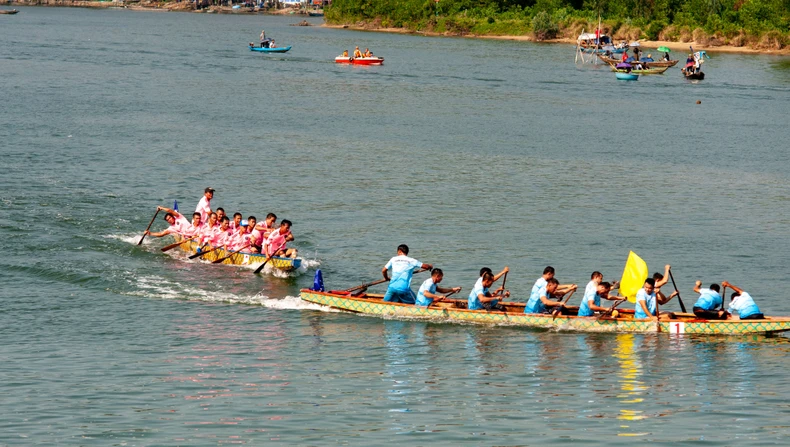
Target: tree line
755 23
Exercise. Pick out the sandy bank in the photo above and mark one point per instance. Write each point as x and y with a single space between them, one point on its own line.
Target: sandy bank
647 45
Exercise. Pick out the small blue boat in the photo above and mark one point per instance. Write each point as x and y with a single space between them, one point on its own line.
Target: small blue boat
271 50
626 76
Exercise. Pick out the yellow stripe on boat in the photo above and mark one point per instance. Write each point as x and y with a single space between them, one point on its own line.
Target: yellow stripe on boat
242 258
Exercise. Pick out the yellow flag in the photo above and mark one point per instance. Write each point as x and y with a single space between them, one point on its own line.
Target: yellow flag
634 276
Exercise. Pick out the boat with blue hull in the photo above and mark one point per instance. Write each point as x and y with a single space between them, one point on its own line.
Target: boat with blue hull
271 50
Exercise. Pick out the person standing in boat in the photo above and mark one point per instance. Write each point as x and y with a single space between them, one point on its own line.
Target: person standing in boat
708 302
263 38
357 53
204 205
427 293
481 298
402 266
743 303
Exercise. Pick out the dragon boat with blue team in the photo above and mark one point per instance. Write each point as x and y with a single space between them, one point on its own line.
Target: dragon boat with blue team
241 258
455 311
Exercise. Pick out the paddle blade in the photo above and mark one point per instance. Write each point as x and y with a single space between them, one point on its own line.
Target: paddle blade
175 205
634 276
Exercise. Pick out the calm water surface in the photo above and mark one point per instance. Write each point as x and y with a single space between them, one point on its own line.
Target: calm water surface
475 153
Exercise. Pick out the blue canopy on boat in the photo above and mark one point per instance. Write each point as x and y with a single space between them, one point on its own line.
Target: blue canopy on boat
623 65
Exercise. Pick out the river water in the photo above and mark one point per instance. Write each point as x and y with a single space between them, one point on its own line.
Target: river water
474 152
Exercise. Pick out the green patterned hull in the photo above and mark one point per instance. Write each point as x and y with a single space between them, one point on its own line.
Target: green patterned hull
242 258
448 313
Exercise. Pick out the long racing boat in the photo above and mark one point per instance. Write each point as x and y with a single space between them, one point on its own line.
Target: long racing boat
241 258
513 314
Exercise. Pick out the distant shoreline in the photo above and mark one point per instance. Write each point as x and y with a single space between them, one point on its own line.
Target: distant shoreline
648 45
187 6
183 6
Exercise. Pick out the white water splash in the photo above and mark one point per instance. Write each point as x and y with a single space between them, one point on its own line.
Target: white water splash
133 238
158 287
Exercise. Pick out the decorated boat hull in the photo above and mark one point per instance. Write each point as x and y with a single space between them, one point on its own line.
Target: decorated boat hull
242 258
644 71
454 311
271 50
359 60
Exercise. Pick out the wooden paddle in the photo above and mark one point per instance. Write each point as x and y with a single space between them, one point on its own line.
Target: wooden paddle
723 289
148 227
610 309
658 317
682 306
172 246
217 261
558 310
258 270
366 285
445 297
203 252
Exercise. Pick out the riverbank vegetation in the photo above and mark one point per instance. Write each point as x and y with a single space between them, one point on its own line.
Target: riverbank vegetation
763 24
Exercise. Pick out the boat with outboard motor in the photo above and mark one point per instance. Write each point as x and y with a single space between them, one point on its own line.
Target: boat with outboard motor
359 60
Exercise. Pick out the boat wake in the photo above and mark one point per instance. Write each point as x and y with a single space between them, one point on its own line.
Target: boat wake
158 287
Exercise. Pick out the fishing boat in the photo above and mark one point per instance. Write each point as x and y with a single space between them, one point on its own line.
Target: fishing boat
690 74
241 258
693 69
359 60
8 11
649 64
623 72
315 13
642 71
455 311
270 50
625 76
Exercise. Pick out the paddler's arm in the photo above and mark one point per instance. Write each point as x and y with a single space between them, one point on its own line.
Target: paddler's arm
486 298
665 299
731 286
666 277
426 266
447 290
499 275
646 310
159 234
549 303
500 292
384 272
168 210
697 286
594 308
